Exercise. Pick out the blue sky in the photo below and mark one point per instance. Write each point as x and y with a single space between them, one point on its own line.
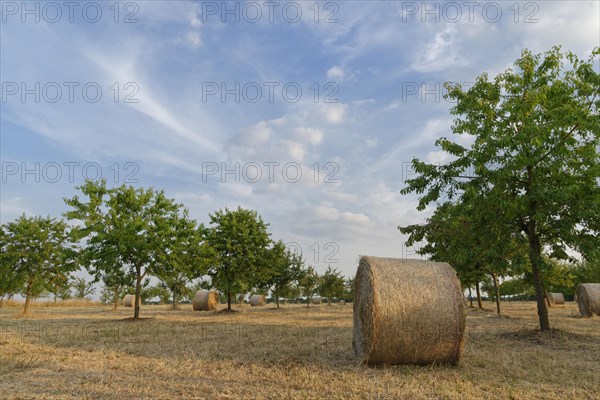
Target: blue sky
152 102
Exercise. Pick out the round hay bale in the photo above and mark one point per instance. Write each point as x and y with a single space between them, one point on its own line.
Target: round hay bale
317 300
129 300
258 300
205 300
407 312
556 298
588 299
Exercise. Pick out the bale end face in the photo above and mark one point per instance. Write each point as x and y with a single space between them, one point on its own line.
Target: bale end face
129 300
258 300
407 312
588 299
205 300
556 298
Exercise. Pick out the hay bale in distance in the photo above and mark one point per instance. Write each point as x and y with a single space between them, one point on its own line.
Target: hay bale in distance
556 298
407 312
258 300
129 300
205 300
317 300
588 299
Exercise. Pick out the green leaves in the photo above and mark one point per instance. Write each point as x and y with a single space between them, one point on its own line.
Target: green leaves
332 284
129 231
308 281
536 133
238 241
34 251
282 269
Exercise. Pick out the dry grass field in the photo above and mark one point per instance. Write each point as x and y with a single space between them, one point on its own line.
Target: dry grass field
294 353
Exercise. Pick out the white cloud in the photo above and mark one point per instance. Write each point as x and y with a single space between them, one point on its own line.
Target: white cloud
359 218
13 208
441 53
193 39
311 135
257 134
336 72
438 157
192 16
334 113
295 150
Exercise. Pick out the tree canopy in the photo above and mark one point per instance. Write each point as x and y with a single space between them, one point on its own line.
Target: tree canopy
535 133
125 227
34 249
238 244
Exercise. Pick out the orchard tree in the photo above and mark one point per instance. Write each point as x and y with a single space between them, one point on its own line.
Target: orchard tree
237 250
82 288
160 291
332 284
35 249
284 268
470 240
308 282
59 285
11 282
117 282
183 261
125 227
349 289
534 156
586 271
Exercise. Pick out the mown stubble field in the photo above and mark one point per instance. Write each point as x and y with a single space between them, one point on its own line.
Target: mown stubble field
294 353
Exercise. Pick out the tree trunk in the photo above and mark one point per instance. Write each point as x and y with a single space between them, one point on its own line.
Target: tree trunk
546 296
228 297
115 299
28 296
535 256
138 289
174 302
470 297
478 292
495 278
276 297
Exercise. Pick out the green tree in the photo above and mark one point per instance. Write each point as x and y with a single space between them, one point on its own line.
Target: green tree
349 289
11 281
238 241
125 227
471 241
35 249
558 277
586 272
59 285
332 284
184 259
534 155
290 291
117 282
517 287
284 268
162 292
308 282
82 288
